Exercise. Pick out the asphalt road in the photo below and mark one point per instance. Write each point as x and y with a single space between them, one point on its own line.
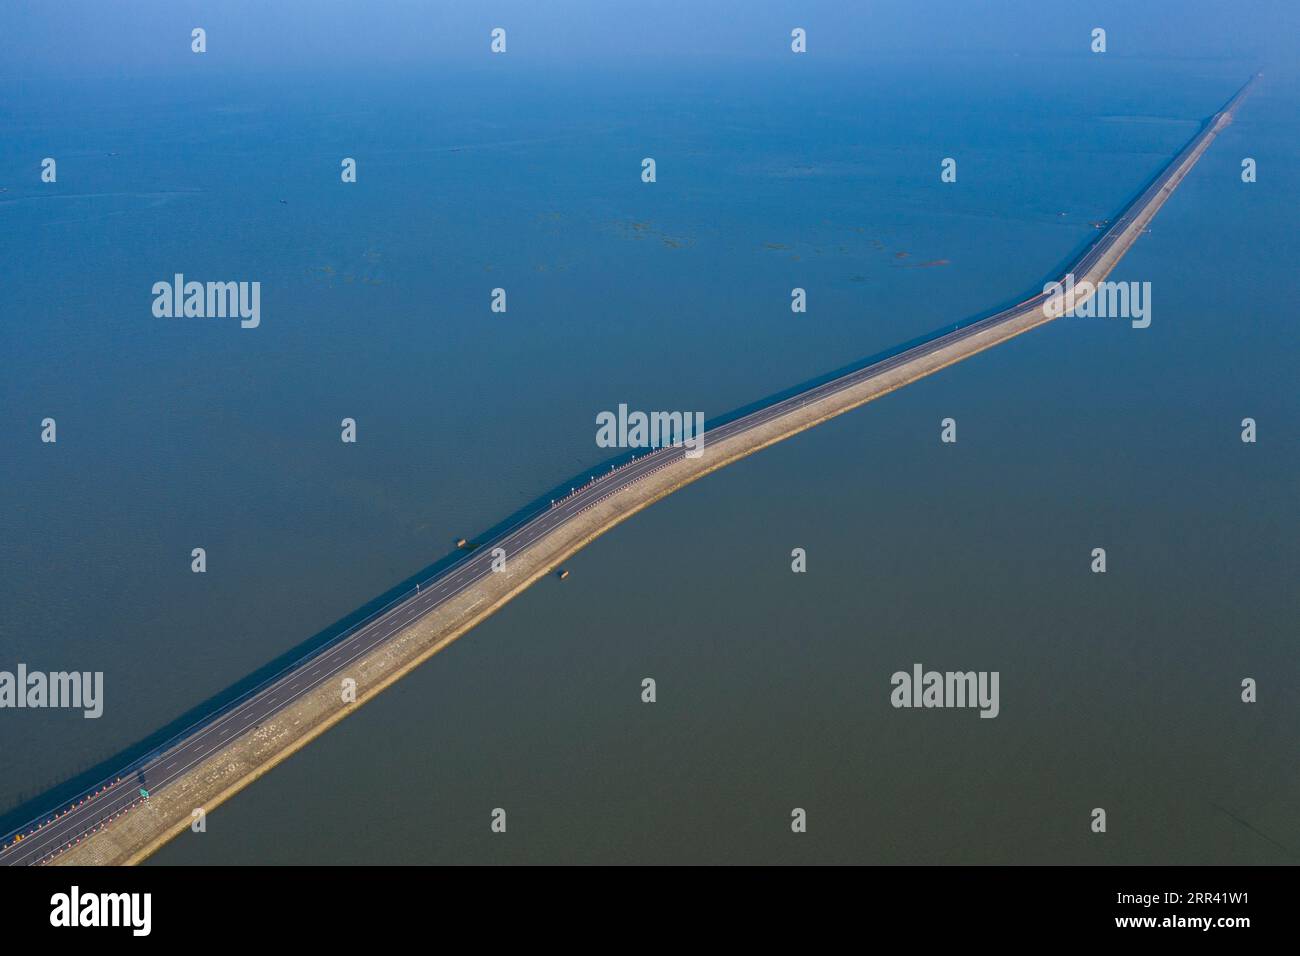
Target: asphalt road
45 837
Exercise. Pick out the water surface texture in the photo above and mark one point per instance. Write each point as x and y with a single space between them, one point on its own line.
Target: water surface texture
1118 690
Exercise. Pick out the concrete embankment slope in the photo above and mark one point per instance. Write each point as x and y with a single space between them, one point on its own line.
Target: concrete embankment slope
136 834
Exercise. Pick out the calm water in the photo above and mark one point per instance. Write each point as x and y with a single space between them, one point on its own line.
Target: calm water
1118 691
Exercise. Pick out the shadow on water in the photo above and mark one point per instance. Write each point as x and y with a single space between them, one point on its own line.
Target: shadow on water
125 762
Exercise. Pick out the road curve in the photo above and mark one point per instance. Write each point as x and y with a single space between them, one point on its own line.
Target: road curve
45 838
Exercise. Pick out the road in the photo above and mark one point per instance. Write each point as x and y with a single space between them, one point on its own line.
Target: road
47 836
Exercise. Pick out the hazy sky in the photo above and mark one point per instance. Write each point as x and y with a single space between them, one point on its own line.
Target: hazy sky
117 37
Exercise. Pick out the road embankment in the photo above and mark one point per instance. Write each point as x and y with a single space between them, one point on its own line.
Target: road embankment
169 812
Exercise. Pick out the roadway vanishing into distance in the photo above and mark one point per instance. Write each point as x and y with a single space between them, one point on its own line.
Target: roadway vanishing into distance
43 839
